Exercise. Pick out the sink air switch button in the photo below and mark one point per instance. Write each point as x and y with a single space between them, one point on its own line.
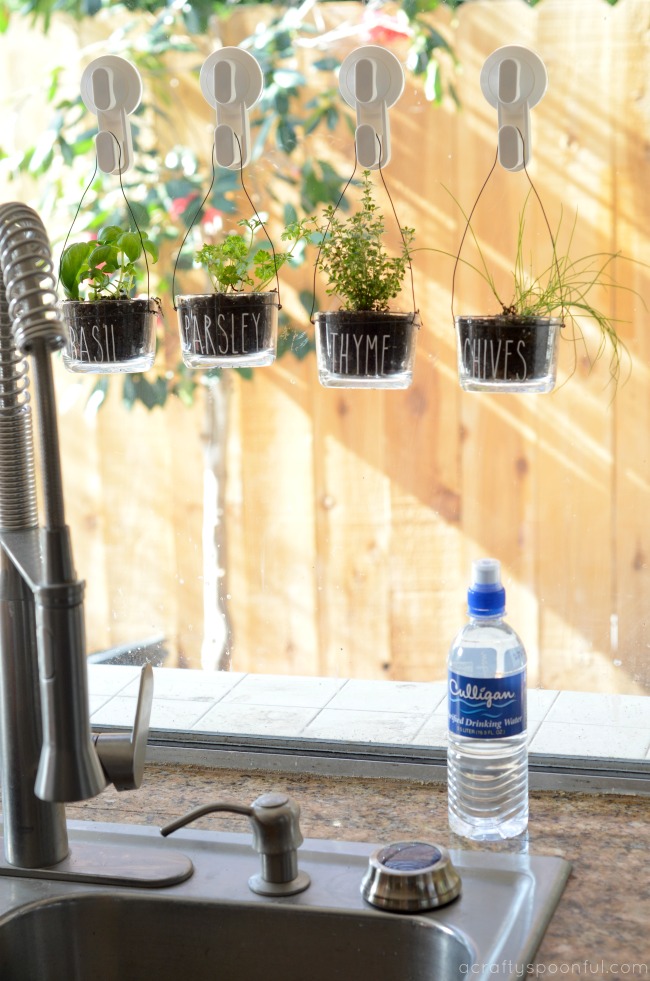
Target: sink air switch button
409 877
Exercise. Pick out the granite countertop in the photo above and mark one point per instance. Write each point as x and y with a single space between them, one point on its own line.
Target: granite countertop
601 927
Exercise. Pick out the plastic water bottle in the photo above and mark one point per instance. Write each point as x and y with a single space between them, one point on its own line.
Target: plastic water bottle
487 758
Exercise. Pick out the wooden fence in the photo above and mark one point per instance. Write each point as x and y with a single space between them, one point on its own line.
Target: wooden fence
351 518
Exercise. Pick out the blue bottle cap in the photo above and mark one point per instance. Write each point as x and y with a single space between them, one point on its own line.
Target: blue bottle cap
486 597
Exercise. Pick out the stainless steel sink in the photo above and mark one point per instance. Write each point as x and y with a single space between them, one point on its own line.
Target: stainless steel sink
106 938
213 927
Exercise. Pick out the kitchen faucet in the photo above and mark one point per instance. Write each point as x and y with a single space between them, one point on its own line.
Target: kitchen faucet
48 753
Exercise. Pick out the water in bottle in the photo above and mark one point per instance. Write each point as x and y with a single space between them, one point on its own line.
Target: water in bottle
487 759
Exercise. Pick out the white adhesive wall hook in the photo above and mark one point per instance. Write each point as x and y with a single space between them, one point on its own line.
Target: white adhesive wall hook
371 80
513 80
111 87
232 82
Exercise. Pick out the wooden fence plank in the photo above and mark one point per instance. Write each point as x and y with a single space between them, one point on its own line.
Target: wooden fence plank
575 577
274 609
631 530
353 529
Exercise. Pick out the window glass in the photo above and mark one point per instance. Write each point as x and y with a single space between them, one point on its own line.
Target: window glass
257 521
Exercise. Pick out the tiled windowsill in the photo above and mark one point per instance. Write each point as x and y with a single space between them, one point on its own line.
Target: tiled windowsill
563 723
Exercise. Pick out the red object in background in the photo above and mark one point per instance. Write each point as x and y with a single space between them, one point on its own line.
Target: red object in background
384 29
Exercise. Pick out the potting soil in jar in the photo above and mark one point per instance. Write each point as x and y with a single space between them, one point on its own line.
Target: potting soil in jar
228 330
110 335
504 351
358 349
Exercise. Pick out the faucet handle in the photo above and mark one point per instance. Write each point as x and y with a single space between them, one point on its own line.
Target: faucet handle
122 754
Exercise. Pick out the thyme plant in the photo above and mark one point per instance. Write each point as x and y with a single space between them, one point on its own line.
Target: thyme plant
352 255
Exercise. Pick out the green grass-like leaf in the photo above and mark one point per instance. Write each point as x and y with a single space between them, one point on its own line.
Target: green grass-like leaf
561 289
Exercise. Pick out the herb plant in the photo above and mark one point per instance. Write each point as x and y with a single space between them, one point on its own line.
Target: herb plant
106 268
352 256
560 290
238 263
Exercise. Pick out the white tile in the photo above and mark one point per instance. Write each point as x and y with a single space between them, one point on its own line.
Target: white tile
172 713
539 702
371 727
442 709
559 723
532 729
189 684
266 689
390 696
564 739
255 720
109 679
118 711
95 702
165 714
434 732
590 708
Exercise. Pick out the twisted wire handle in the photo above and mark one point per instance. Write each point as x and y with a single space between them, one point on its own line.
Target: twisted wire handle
468 224
198 212
129 209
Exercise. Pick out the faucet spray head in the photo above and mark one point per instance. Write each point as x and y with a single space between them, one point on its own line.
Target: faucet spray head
69 768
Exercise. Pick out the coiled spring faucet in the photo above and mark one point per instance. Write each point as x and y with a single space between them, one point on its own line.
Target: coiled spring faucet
49 755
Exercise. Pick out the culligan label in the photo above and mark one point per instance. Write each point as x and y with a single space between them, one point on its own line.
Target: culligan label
487 708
